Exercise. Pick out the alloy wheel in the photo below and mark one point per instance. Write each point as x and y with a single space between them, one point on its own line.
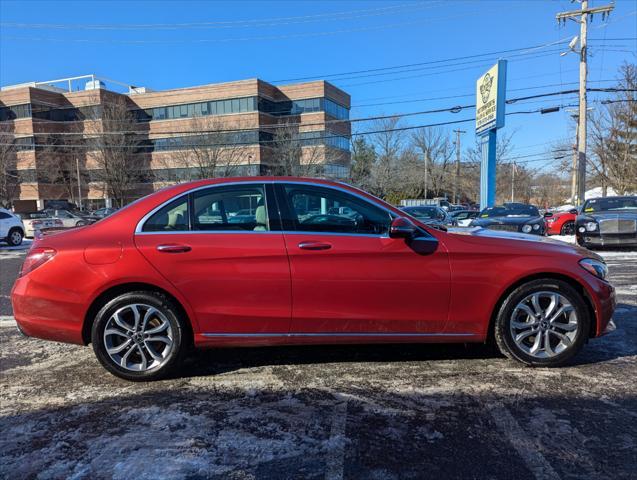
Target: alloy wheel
544 324
138 337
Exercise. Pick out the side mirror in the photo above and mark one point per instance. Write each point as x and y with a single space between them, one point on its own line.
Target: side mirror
573 211
402 228
548 214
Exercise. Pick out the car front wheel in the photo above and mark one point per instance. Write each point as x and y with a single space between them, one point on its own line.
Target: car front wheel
568 228
138 336
542 323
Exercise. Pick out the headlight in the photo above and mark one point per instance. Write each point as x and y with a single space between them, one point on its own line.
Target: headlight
581 229
527 228
591 226
536 226
595 267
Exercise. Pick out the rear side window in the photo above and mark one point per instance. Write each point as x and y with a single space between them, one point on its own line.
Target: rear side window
241 208
4 216
171 218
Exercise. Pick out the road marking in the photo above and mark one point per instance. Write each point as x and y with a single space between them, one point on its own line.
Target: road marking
7 321
336 454
523 444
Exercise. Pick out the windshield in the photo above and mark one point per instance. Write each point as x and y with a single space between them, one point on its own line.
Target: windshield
424 212
510 211
610 204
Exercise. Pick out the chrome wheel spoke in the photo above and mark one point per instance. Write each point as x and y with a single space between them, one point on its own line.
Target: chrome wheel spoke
119 333
566 327
561 311
135 311
522 325
158 329
120 347
165 340
551 307
144 364
563 338
119 321
151 350
547 344
535 301
537 344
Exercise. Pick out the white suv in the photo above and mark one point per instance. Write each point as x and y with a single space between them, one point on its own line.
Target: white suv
11 228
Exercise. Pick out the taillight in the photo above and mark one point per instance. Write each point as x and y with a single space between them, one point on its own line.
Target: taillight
36 257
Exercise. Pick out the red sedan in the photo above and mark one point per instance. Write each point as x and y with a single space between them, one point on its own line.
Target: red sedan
271 261
561 223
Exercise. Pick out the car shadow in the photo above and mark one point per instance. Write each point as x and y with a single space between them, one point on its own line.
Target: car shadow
205 362
222 360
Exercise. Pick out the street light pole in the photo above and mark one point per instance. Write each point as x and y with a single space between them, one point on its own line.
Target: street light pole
455 185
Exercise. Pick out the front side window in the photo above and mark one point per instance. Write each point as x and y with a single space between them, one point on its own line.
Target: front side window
241 208
315 209
171 218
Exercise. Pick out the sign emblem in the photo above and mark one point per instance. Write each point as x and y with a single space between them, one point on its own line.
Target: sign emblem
485 87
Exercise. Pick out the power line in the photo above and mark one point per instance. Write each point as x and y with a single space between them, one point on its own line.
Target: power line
256 22
238 39
452 109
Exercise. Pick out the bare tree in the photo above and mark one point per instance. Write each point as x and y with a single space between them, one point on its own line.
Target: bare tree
614 138
388 144
435 151
206 153
9 181
299 154
116 140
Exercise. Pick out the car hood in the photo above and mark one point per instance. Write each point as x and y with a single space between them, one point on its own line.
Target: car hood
532 241
505 220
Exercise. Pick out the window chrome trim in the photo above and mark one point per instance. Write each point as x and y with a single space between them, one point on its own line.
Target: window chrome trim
140 224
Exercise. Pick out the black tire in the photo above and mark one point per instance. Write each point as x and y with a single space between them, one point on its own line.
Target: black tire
15 237
568 228
172 315
502 330
81 223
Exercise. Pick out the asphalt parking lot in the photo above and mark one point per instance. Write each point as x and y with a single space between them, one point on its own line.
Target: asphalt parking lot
377 412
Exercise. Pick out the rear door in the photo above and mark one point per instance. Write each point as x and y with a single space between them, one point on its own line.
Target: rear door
349 276
217 246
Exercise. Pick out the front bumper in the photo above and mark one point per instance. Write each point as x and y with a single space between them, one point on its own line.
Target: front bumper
595 239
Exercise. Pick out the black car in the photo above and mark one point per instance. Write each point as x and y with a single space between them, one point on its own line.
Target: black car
463 218
430 215
607 221
512 217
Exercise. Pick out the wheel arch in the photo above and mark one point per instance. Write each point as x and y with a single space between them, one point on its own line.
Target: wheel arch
546 275
122 288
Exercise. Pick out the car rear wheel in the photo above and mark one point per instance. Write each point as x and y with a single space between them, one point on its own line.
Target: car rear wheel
543 323
15 237
568 228
138 336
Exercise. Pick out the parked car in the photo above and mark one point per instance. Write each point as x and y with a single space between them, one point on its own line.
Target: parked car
101 213
608 221
430 215
11 228
512 217
39 221
157 277
463 218
561 223
69 219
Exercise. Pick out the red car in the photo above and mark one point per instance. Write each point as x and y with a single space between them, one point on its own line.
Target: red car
272 261
561 223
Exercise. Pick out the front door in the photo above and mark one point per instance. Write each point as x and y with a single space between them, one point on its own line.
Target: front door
349 276
216 247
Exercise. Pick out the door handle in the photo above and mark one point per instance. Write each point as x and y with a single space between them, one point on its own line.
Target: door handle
314 246
173 248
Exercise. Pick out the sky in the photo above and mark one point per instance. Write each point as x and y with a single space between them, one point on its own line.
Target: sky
392 57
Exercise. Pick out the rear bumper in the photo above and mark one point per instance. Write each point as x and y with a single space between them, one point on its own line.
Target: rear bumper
48 312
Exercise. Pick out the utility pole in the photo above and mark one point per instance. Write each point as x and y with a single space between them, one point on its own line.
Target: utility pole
79 184
426 158
583 15
455 184
512 182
